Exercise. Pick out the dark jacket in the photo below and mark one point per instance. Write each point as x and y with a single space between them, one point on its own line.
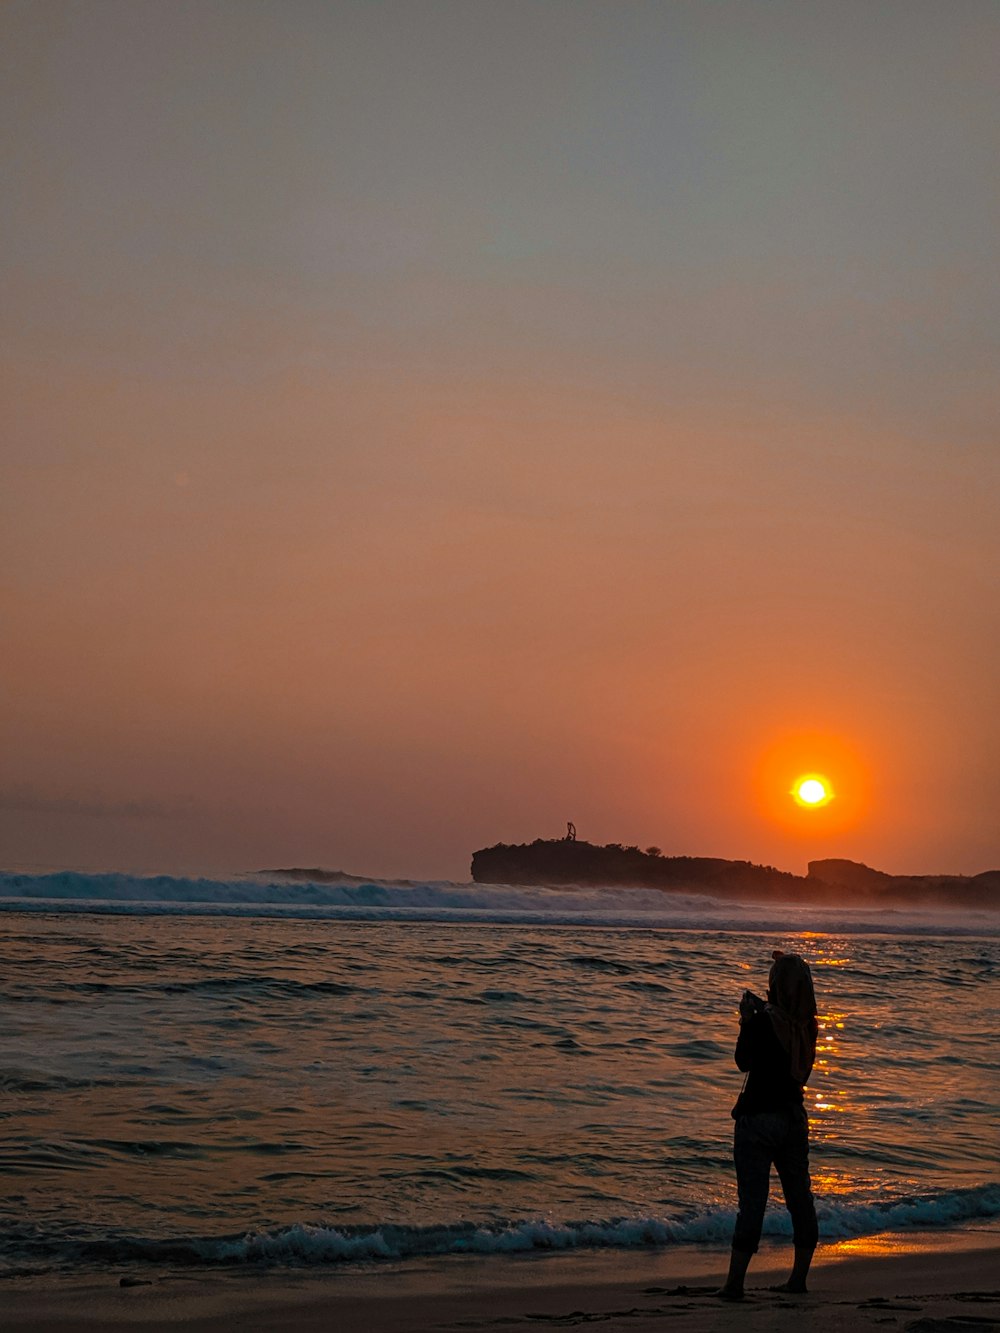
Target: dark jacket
761 1056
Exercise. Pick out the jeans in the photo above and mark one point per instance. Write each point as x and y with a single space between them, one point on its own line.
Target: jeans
781 1137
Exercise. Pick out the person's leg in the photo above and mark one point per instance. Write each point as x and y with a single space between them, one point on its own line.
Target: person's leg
739 1262
792 1163
752 1157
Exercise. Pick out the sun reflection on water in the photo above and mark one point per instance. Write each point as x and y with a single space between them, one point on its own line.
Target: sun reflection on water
871 1245
832 1182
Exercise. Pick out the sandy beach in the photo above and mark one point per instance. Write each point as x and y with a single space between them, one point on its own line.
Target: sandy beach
943 1283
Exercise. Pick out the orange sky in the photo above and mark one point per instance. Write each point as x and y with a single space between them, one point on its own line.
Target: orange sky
424 431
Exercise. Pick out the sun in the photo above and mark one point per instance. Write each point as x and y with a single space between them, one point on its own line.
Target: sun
840 802
812 790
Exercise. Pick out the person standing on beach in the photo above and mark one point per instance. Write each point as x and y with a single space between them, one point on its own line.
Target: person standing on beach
776 1050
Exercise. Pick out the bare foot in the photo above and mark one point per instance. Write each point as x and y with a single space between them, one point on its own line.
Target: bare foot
791 1288
728 1293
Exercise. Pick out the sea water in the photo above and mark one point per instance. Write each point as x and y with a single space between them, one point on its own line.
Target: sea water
207 1073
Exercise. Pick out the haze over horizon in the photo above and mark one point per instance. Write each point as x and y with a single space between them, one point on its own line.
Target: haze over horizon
424 424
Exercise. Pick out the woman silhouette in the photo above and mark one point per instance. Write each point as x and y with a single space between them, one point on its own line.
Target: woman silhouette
776 1049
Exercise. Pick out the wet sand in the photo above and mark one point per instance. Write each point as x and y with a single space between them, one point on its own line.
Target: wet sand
940 1283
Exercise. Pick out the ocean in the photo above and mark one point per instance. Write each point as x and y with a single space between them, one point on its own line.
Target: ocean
256 1072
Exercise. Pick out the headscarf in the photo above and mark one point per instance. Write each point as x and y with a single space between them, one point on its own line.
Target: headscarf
792 1010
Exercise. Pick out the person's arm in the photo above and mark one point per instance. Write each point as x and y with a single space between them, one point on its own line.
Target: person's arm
748 1042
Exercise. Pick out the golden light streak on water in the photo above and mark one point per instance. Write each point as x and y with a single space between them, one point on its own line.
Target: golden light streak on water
826 1183
858 1246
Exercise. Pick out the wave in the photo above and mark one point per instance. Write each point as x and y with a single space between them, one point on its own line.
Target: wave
305 1244
442 900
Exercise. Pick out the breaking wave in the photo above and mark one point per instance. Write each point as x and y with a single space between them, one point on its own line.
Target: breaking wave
441 900
306 1244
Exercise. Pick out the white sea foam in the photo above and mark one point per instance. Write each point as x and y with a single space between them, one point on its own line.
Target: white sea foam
441 900
837 1221
316 1244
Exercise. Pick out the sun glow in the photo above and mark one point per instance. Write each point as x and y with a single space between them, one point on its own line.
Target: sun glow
812 790
786 761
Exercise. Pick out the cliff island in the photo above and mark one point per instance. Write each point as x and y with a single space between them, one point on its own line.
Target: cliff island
567 861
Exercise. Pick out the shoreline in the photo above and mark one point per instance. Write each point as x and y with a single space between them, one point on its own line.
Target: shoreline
926 1282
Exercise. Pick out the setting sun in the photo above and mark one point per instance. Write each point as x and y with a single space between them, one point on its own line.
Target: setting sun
812 790
814 818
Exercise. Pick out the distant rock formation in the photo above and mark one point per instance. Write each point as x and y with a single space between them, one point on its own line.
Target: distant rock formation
860 880
564 861
571 861
313 874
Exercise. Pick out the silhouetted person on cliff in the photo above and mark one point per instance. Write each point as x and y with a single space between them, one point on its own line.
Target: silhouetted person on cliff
776 1049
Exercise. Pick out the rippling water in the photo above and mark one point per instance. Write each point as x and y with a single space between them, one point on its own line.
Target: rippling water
197 1089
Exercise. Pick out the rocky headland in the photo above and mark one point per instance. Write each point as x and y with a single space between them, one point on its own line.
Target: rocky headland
567 861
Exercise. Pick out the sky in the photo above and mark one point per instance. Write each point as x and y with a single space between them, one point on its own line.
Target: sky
425 422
